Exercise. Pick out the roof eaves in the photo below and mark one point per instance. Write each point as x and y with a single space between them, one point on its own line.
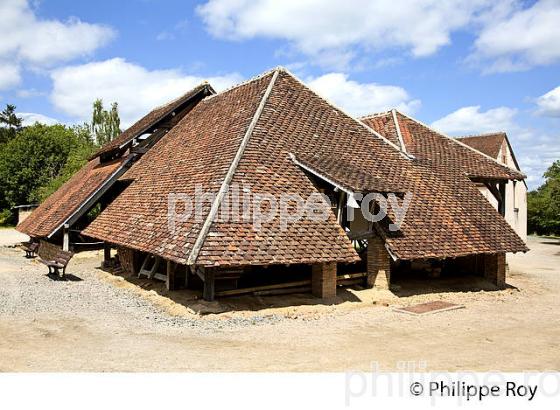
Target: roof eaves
204 86
320 175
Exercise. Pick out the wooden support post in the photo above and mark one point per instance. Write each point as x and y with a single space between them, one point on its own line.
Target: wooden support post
340 207
66 238
170 282
188 273
502 202
106 254
209 288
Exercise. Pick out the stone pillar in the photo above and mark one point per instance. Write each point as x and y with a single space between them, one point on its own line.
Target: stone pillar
495 269
378 264
323 280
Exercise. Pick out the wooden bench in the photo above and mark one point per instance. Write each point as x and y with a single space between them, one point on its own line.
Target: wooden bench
60 261
30 249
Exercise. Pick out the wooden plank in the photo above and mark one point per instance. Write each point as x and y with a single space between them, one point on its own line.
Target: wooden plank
66 238
242 291
349 282
160 276
155 267
351 276
356 277
271 292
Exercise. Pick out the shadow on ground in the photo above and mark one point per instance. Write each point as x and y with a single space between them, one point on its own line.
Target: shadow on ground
464 283
403 287
66 278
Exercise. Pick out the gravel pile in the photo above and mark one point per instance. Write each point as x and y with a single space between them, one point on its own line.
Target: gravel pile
26 290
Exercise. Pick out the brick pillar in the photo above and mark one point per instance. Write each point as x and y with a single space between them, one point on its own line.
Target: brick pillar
378 264
323 280
495 269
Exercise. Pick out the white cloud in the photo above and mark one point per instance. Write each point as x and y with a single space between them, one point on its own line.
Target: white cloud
535 150
136 89
30 118
470 120
319 27
520 40
26 39
9 76
29 93
549 103
361 98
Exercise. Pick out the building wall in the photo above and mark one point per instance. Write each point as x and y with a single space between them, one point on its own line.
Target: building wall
516 196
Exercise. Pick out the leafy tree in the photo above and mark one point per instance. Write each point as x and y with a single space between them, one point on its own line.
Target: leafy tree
543 204
35 156
77 158
105 124
10 123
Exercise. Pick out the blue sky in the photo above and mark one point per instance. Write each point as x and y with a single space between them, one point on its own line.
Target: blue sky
462 66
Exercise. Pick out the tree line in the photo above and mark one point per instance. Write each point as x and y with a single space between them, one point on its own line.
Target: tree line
543 204
36 160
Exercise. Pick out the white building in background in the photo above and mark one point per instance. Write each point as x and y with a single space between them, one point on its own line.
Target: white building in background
497 146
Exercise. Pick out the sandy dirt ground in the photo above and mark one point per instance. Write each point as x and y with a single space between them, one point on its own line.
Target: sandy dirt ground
98 322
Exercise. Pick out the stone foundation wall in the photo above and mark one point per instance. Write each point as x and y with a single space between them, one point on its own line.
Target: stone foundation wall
378 264
47 250
323 280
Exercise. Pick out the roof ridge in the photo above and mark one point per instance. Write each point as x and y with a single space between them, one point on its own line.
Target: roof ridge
459 142
375 114
371 130
398 129
245 82
482 135
197 246
196 87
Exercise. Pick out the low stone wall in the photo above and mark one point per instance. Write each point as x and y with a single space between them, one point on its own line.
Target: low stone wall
48 250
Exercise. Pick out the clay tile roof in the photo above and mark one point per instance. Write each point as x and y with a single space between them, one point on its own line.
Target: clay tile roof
151 119
243 138
429 145
488 144
58 207
344 174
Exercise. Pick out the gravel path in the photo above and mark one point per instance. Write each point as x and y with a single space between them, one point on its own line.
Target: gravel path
28 291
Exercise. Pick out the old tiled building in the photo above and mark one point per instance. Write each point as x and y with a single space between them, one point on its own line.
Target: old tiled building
276 136
64 214
497 146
